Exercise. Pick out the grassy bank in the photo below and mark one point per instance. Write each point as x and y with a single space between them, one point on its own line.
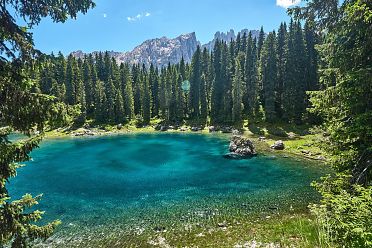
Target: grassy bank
289 230
298 140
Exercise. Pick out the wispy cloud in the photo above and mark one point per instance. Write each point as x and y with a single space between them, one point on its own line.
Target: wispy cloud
104 15
138 17
287 3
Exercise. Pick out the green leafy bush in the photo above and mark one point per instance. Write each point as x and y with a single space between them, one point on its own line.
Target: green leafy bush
344 215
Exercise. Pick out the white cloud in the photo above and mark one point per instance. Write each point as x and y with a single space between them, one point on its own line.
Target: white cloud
287 3
104 15
138 17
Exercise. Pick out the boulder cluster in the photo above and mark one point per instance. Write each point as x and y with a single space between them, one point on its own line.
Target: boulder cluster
278 145
241 147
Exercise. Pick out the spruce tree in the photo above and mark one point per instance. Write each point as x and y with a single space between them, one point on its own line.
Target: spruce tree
119 107
312 55
281 49
146 101
195 82
70 80
154 86
18 218
127 91
203 99
88 83
268 75
237 93
261 39
100 103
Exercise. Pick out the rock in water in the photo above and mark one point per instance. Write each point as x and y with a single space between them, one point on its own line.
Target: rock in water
240 148
278 145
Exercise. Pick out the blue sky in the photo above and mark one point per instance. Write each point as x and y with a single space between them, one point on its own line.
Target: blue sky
120 25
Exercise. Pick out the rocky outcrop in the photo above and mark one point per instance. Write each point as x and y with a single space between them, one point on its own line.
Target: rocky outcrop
241 147
228 36
159 51
83 132
278 145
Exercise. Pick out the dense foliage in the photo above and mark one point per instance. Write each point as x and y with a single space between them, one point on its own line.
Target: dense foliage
24 110
345 103
242 79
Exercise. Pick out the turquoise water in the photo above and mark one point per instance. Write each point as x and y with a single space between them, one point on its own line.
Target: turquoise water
145 176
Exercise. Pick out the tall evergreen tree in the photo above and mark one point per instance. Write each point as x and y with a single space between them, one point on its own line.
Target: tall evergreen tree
261 39
119 107
195 82
268 72
251 95
127 91
146 101
281 49
154 86
237 93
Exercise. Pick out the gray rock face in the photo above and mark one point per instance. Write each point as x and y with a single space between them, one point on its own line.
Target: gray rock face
228 36
241 147
160 51
278 145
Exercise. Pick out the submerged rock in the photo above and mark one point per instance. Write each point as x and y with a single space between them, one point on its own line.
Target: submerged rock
278 145
240 148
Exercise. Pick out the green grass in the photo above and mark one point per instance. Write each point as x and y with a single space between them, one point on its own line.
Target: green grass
290 230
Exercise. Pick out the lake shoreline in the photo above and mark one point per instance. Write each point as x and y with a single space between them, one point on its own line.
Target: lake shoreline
263 143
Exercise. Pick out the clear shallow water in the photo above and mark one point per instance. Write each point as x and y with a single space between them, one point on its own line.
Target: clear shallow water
146 176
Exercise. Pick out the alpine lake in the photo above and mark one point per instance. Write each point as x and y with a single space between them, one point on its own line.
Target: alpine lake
160 190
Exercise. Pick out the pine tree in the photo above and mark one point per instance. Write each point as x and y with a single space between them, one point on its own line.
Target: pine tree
203 99
281 49
261 39
237 93
127 90
300 98
268 75
88 82
312 56
195 82
110 99
70 80
250 94
119 107
295 77
218 84
137 89
154 86
18 217
163 95
146 101
80 92
180 99
100 102
100 66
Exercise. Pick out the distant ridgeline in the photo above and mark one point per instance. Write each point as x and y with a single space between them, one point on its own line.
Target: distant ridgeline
255 75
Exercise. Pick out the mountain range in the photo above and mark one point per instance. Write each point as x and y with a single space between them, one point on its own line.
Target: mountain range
161 51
